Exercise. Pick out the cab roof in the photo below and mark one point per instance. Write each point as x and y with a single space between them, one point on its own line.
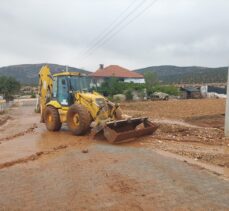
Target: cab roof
69 74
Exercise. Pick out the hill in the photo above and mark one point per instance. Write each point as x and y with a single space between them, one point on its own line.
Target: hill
28 73
192 74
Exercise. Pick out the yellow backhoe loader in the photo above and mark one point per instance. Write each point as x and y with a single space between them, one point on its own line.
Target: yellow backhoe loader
67 97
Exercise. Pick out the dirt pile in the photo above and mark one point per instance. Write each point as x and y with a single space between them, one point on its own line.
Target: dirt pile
190 128
175 109
182 133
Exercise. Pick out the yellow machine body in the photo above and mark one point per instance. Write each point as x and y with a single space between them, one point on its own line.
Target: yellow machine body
83 109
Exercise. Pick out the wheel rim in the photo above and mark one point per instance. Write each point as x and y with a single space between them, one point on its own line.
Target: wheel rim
76 119
49 118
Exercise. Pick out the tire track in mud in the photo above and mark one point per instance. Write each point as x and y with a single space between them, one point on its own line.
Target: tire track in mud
4 119
29 130
32 157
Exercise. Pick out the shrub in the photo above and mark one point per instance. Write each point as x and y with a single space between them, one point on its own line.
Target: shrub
8 87
129 95
168 89
33 95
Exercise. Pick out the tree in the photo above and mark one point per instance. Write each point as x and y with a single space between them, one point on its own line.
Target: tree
150 80
111 86
8 86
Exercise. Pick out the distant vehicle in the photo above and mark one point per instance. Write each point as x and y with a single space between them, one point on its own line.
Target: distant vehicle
159 96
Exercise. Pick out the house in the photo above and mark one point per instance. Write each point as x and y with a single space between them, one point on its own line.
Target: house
190 93
116 71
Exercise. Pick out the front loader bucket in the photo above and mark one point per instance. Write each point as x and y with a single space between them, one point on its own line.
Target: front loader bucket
125 130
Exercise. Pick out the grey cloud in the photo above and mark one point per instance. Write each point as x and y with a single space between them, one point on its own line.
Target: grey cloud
179 32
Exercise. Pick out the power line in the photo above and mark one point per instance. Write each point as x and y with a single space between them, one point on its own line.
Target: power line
119 29
92 42
116 25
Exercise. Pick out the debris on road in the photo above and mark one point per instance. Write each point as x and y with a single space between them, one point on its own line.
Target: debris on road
85 151
60 147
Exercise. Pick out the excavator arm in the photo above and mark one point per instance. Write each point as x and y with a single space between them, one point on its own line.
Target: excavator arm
45 87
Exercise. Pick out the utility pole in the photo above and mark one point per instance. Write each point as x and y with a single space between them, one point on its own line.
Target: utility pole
226 129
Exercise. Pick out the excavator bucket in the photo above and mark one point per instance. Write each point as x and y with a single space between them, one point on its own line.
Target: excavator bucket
126 130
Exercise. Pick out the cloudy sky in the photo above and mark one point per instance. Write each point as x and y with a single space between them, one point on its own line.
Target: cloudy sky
131 33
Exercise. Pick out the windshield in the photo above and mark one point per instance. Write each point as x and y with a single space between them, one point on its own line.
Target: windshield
80 83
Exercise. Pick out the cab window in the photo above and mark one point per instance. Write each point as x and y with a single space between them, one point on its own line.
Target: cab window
63 93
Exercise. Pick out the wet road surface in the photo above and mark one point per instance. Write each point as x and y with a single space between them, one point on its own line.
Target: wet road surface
40 170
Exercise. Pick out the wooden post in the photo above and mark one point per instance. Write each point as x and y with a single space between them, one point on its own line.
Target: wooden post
226 129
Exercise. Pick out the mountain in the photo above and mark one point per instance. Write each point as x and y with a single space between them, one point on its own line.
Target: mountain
28 73
192 74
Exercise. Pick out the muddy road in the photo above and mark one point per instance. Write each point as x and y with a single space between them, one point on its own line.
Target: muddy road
40 170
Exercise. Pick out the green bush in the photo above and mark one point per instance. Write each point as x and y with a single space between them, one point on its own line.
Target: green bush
129 95
169 89
113 86
33 95
8 87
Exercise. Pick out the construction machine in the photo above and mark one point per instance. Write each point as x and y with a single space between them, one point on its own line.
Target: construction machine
67 97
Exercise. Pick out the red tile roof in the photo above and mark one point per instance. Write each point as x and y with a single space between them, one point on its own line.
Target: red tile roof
115 71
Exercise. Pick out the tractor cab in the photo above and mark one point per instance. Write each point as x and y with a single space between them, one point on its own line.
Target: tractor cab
66 84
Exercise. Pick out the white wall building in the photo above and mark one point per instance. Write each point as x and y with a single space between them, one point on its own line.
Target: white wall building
117 72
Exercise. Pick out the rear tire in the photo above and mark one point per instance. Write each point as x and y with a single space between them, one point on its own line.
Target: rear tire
78 119
52 119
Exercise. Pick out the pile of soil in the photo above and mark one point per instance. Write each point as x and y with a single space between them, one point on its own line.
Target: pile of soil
175 109
190 128
180 133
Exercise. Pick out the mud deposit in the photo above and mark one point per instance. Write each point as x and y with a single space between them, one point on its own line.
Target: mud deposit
191 128
4 118
40 170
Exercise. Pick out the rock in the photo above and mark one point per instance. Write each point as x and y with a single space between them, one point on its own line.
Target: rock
85 151
60 147
39 153
199 157
119 97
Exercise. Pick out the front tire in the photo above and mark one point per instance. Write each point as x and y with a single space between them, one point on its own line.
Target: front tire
78 119
52 119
